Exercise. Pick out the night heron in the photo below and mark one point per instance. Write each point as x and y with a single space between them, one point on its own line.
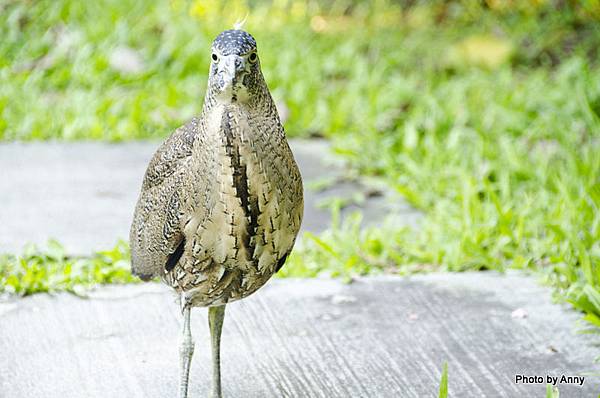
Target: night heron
221 202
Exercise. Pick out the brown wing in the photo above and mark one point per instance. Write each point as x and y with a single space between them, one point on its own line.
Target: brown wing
156 238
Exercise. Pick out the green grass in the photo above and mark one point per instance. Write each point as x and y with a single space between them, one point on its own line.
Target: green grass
58 83
552 392
506 167
51 270
485 118
340 70
444 382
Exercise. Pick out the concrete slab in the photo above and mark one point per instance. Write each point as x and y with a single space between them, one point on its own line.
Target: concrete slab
84 193
377 337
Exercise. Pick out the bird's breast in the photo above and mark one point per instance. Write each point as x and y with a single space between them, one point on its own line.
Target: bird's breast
257 194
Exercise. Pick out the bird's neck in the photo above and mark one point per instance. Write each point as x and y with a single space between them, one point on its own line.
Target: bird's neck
254 103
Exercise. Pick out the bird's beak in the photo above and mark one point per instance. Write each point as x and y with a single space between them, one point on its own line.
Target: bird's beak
232 68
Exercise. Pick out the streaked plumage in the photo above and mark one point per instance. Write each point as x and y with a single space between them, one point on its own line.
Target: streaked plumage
221 202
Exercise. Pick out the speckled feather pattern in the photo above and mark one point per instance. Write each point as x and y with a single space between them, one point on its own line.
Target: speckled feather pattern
225 189
234 42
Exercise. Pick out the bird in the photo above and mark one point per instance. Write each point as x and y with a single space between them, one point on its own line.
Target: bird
221 202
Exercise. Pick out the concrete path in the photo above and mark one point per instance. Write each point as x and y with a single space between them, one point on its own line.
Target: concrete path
83 194
377 337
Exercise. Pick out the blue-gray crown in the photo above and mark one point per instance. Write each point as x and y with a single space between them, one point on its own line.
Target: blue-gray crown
234 41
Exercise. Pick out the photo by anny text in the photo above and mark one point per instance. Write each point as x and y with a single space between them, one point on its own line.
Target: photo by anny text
549 379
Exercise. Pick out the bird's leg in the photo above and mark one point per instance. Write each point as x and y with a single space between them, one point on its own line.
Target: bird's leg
186 350
215 323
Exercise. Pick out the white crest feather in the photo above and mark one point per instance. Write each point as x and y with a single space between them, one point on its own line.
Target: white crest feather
239 24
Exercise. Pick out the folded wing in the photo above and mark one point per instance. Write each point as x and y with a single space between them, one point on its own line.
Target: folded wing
156 236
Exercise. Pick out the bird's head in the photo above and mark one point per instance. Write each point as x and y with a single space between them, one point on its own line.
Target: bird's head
235 74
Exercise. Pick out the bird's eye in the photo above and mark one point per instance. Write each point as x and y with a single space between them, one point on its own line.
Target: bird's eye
253 57
214 57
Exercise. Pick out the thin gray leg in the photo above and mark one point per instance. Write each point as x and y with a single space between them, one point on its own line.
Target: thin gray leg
186 350
215 323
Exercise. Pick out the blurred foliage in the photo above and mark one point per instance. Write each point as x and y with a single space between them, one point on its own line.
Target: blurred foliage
119 69
483 114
